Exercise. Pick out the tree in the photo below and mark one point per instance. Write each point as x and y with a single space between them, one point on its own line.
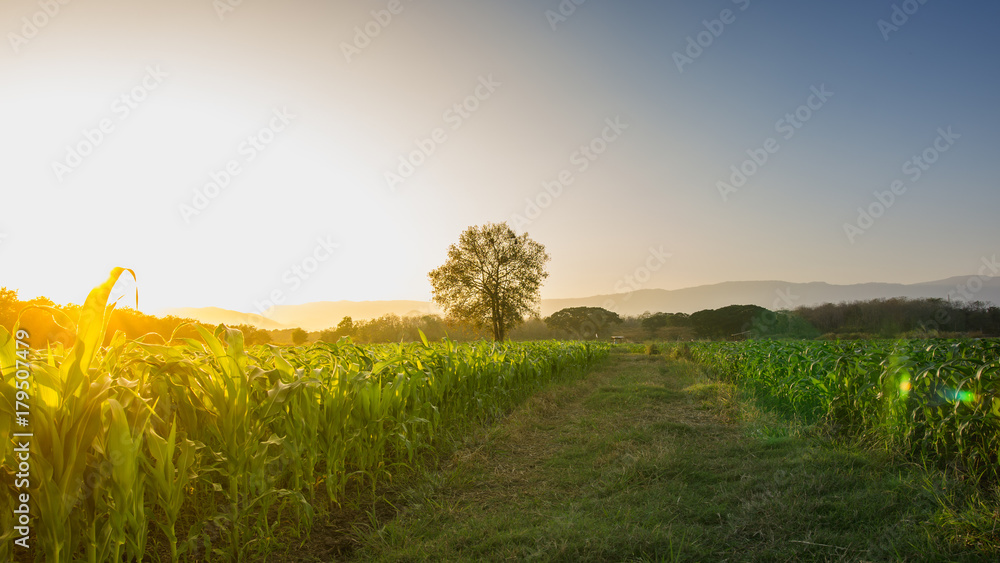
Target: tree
492 278
345 328
583 321
725 322
8 307
387 328
299 337
253 335
656 321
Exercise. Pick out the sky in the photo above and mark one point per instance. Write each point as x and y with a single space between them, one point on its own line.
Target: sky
231 152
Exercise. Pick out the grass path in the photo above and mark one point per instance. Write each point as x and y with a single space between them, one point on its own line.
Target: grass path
644 460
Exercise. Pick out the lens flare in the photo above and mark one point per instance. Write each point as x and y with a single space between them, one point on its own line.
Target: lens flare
904 385
960 396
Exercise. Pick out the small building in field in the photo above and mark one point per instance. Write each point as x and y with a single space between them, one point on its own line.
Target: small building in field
745 335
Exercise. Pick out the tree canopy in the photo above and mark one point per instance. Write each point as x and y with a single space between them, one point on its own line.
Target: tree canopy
583 321
661 320
725 322
492 278
253 335
8 306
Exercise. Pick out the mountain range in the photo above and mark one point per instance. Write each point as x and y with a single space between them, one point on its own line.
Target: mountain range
773 295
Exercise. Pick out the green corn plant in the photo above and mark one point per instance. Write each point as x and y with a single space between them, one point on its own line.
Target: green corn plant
299 425
222 382
168 479
67 421
241 403
205 432
938 399
334 412
123 448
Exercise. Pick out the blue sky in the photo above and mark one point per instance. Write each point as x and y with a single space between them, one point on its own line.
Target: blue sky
314 215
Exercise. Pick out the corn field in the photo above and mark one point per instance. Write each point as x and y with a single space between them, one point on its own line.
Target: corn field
938 400
205 447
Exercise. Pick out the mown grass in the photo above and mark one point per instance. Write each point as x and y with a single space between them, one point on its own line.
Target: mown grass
649 460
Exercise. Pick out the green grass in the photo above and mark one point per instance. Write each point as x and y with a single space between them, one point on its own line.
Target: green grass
649 460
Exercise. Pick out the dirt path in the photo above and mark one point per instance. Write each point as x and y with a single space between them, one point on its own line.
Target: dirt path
638 462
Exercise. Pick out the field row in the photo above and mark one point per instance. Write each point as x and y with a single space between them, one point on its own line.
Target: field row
937 399
204 447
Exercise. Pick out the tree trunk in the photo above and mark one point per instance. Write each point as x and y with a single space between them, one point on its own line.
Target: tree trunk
497 324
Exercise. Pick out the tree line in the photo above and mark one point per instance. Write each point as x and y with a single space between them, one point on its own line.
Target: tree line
877 318
899 317
51 323
490 285
902 316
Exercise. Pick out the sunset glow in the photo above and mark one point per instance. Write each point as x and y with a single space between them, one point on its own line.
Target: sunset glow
749 141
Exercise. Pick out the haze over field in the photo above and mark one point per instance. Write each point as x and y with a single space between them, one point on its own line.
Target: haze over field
246 154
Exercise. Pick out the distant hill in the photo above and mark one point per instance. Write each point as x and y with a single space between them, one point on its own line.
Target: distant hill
311 316
773 295
326 314
215 316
